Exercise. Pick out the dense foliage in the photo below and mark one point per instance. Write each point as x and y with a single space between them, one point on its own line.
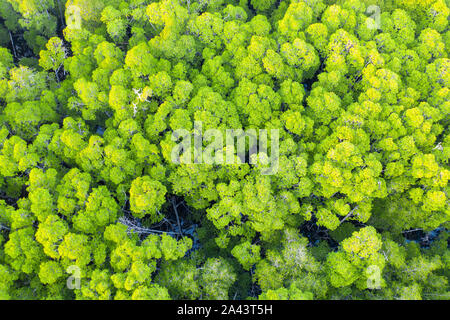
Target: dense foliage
92 207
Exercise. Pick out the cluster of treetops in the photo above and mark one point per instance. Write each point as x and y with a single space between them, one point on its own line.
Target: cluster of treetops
91 91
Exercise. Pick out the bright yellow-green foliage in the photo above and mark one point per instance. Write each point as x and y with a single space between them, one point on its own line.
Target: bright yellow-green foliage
92 205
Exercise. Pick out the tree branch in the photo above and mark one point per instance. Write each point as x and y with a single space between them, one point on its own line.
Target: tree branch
178 218
349 214
12 43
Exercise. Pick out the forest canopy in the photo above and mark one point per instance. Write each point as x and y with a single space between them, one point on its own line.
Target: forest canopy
92 205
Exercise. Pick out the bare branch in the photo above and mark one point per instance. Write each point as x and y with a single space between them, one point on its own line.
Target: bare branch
12 43
134 227
178 218
349 214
